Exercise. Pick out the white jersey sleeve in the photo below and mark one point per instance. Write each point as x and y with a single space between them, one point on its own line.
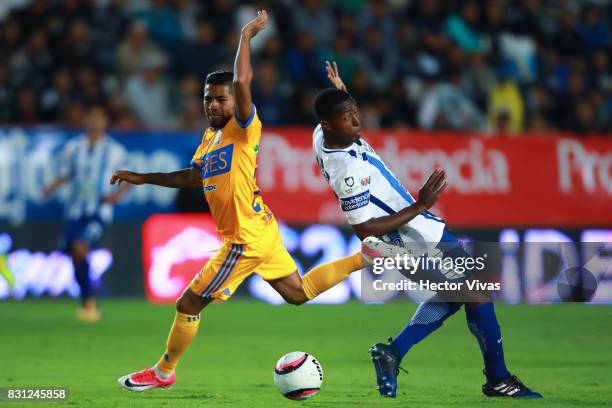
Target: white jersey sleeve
350 184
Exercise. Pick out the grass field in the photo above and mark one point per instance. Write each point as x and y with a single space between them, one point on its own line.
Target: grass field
563 351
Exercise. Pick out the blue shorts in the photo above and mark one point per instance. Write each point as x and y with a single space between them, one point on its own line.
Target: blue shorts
451 247
88 229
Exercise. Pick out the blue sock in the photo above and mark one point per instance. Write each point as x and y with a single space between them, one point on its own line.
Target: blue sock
428 317
81 273
483 325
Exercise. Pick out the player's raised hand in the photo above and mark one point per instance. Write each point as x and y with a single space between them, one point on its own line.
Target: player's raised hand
334 77
256 25
121 176
431 190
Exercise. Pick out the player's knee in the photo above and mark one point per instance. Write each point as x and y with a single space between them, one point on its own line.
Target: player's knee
296 298
186 305
190 303
79 251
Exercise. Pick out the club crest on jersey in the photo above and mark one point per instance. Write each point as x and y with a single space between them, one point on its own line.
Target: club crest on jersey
350 181
217 141
366 181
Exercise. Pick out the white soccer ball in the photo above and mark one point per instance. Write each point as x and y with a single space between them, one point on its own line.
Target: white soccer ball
298 375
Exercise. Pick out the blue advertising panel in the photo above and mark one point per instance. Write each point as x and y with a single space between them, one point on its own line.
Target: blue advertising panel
29 160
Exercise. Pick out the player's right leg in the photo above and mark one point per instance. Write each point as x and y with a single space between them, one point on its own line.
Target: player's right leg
215 281
386 358
183 331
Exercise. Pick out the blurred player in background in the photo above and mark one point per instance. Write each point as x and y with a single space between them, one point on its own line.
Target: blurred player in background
376 204
224 165
86 163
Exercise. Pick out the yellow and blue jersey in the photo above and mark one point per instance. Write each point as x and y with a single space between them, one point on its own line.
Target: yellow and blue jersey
227 159
251 239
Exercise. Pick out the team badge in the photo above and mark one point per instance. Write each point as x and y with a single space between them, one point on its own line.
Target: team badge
366 181
350 181
217 141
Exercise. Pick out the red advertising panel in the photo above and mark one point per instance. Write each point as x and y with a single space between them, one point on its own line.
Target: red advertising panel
520 181
174 248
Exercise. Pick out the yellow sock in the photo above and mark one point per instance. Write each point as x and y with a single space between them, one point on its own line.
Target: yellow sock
182 332
327 275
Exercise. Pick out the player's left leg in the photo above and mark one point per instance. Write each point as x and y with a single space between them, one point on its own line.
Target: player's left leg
79 250
482 322
429 316
81 236
280 271
297 290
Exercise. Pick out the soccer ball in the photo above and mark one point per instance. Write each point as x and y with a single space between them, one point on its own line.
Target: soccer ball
298 375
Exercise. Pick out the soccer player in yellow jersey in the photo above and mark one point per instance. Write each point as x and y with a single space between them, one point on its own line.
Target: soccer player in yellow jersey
224 164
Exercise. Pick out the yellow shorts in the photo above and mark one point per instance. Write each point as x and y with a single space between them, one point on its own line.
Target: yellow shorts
233 263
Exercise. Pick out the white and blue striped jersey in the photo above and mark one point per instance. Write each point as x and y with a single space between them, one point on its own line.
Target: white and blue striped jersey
89 169
367 188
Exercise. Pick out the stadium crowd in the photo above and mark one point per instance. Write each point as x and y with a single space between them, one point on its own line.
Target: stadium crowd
497 66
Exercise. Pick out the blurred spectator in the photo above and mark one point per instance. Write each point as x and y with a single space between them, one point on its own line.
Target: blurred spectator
187 11
88 83
377 14
463 28
77 48
506 108
10 37
192 115
134 48
148 95
163 24
301 109
108 27
593 29
121 113
602 72
200 56
315 17
345 55
305 61
25 110
566 40
33 64
6 95
268 95
57 97
222 12
379 58
408 63
446 106
478 79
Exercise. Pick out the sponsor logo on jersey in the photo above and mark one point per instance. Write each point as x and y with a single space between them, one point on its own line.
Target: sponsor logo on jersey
217 162
356 201
366 181
209 188
350 181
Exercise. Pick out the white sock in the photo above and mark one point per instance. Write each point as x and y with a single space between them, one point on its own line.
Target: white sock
161 374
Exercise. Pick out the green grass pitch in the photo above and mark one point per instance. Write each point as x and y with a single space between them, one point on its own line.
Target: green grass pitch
563 351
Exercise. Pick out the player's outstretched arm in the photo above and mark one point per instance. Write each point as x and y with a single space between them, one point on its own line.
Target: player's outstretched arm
243 71
334 77
184 178
428 195
54 185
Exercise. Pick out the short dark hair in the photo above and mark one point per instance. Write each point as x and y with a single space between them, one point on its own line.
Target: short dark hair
219 78
327 100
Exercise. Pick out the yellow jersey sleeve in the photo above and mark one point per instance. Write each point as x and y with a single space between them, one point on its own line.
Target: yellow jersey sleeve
251 128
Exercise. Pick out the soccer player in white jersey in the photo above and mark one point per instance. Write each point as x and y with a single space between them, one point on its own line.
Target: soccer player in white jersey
376 204
86 163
